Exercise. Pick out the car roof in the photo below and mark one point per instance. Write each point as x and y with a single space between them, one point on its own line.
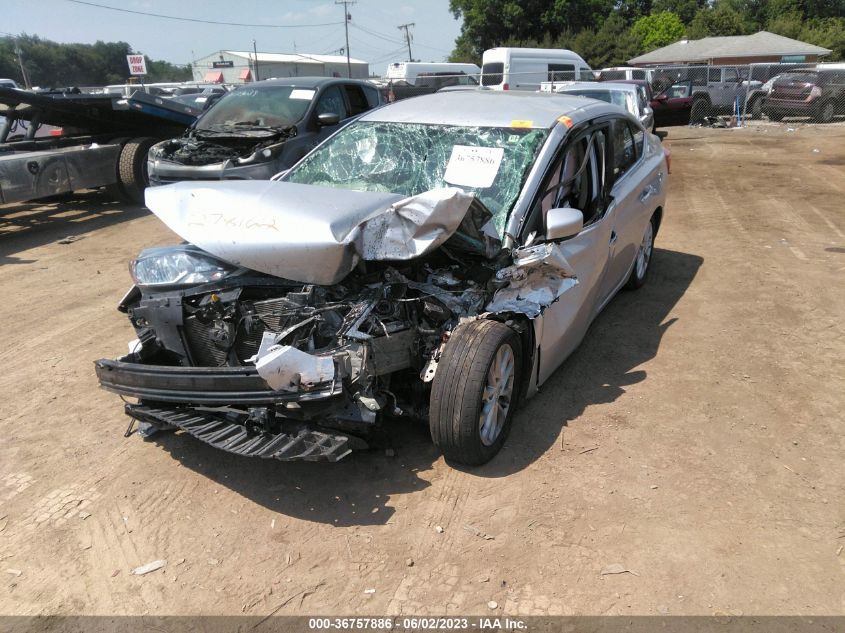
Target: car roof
597 85
490 108
305 82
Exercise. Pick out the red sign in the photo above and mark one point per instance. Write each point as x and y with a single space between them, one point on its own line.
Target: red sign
137 64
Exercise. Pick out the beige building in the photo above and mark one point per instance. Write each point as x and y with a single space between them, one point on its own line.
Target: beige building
762 47
234 67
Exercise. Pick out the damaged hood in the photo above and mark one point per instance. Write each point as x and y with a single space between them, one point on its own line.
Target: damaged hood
307 233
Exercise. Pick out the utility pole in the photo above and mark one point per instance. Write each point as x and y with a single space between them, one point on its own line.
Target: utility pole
19 53
346 18
408 37
254 50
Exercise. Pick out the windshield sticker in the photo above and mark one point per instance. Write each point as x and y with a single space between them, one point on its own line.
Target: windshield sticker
521 123
473 166
307 95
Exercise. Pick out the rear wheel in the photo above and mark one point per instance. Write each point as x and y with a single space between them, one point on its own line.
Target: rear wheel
132 169
700 109
756 108
474 392
639 272
775 116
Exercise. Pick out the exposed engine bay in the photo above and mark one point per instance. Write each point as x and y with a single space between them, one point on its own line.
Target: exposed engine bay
205 148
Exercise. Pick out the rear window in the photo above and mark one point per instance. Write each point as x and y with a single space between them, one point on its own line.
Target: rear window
807 78
491 74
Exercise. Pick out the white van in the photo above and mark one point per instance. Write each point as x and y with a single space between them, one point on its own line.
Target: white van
464 74
527 68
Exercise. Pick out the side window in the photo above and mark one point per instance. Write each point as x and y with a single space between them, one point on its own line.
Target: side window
372 96
731 75
624 148
638 74
332 101
714 75
357 100
586 74
561 72
575 180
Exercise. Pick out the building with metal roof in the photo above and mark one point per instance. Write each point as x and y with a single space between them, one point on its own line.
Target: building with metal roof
761 47
234 67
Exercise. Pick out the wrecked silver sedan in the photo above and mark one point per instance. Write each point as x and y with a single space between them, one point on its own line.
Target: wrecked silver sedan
438 259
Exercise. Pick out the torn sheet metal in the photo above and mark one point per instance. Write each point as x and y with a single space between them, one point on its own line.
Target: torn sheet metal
286 368
539 275
307 233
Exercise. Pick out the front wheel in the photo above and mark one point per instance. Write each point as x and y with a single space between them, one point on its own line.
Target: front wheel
640 270
474 392
826 112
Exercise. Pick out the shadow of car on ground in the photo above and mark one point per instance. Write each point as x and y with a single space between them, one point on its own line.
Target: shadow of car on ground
356 490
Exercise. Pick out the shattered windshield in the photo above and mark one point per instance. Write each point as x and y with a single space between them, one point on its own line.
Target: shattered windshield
265 107
410 158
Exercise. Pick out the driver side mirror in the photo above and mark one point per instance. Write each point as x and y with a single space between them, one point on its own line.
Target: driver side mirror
328 118
563 222
663 96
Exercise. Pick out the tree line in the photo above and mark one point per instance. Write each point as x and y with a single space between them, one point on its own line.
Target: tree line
53 65
610 32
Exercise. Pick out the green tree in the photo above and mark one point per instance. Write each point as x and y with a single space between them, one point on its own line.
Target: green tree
658 29
52 65
721 19
684 9
489 23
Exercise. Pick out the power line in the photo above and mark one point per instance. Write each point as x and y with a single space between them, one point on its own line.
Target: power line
173 17
380 36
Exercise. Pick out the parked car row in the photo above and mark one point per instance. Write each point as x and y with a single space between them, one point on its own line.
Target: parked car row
685 94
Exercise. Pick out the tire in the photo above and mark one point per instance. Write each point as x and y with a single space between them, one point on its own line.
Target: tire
826 112
639 273
114 190
756 108
132 169
775 116
471 360
700 109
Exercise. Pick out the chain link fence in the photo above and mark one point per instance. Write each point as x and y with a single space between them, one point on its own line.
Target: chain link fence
737 95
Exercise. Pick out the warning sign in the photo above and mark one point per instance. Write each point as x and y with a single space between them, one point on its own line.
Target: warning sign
137 64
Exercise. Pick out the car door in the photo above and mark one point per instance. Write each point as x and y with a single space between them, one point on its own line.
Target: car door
565 321
310 133
673 106
638 180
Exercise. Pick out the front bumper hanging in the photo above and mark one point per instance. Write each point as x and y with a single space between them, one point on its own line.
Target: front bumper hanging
217 429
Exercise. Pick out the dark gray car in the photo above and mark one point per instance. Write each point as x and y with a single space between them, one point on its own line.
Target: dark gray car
261 129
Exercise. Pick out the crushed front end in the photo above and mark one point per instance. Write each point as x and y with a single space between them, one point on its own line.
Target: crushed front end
258 365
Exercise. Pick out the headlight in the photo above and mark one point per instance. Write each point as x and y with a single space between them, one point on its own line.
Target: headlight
169 267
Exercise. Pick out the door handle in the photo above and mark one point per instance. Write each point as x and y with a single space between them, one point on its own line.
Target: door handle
613 238
646 193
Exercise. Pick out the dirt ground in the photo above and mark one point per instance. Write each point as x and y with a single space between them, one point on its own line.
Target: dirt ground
695 439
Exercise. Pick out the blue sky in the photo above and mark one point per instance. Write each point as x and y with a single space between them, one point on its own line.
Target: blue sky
373 32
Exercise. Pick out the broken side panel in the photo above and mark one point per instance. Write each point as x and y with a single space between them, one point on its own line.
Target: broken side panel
539 275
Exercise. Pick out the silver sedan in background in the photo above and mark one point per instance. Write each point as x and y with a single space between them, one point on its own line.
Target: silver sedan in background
627 96
438 258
